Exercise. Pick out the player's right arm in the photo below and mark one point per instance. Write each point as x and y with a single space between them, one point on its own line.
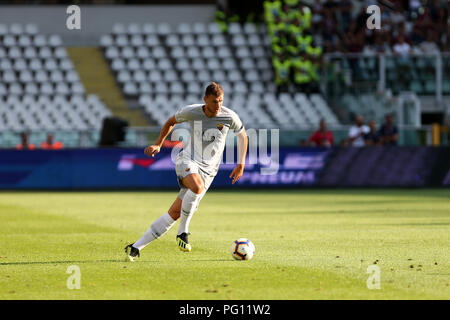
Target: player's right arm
153 149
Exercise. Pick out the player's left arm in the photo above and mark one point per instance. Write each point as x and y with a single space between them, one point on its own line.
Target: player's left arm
238 171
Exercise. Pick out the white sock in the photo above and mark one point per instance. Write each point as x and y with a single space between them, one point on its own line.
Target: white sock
156 230
188 207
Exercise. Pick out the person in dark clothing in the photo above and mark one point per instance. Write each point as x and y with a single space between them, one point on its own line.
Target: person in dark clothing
372 138
388 132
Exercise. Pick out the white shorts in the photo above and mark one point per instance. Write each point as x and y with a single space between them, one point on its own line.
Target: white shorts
183 168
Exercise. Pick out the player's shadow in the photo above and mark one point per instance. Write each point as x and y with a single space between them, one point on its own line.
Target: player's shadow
210 260
64 262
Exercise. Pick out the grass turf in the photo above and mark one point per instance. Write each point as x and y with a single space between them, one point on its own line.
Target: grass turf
310 244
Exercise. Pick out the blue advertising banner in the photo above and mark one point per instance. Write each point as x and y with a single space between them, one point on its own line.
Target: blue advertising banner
130 168
387 166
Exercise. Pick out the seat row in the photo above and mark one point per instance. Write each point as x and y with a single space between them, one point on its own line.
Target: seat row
32 52
45 88
25 76
186 40
203 76
60 113
38 40
183 28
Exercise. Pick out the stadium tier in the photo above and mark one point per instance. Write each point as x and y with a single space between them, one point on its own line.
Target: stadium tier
164 67
39 88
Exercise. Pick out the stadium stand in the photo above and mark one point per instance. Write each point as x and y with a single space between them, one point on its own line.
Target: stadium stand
155 68
164 67
40 89
412 39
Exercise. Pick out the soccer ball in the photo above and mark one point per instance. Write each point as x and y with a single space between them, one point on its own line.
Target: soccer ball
242 249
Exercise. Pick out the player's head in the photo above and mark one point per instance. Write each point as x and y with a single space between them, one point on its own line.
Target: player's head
213 98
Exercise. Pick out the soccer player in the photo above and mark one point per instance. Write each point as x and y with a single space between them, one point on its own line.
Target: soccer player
196 165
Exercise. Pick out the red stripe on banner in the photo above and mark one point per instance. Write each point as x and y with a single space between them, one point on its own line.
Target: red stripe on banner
144 162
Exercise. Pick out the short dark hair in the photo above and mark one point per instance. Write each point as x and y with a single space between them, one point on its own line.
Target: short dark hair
213 89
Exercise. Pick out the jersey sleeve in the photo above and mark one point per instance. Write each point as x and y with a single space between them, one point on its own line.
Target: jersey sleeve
236 124
184 114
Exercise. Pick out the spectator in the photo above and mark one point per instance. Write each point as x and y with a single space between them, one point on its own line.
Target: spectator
402 48
346 7
401 32
49 145
380 46
417 34
355 42
397 18
328 46
388 132
24 144
316 15
446 40
441 26
372 137
328 26
360 23
357 132
433 7
429 46
425 21
322 137
414 6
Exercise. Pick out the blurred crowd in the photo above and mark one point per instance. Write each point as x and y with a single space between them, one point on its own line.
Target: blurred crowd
407 26
359 134
48 144
300 34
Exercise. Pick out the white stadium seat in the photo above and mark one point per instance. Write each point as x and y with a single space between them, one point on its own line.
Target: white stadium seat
213 28
162 60
148 28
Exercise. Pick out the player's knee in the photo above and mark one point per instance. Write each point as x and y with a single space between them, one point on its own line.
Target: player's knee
197 188
174 214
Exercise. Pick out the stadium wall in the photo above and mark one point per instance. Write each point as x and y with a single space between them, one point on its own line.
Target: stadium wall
98 20
122 168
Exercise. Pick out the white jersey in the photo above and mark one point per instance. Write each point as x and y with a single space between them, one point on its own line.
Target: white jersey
208 135
359 132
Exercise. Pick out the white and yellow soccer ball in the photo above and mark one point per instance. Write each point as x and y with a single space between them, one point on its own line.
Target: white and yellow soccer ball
242 249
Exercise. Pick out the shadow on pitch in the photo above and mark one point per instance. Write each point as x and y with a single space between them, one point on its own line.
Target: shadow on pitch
64 262
210 260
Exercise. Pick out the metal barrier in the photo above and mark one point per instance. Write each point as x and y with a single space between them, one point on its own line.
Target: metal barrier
409 135
427 74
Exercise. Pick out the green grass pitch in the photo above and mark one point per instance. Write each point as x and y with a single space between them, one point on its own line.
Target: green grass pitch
310 244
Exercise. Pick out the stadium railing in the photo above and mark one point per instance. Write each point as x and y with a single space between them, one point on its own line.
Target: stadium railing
424 74
409 135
